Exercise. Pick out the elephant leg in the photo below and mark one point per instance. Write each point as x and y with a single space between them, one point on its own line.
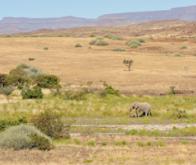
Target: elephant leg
136 113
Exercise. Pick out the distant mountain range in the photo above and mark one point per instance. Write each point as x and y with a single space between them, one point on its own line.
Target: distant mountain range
11 25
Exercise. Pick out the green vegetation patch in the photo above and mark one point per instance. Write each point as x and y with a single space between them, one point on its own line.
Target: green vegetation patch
24 137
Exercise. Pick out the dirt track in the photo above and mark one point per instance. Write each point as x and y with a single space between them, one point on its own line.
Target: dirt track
161 127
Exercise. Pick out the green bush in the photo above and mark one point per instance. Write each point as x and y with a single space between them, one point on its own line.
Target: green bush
99 42
24 137
109 90
134 44
22 74
34 93
51 124
11 121
47 81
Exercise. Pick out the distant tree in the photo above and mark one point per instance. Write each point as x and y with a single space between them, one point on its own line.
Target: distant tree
128 63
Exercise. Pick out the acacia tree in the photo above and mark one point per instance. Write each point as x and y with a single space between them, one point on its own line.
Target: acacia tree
128 63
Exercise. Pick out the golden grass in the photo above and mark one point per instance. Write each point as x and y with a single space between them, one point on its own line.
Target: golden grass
156 65
171 153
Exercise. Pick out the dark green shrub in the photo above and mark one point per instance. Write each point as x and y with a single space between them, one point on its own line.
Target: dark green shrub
47 81
24 137
50 123
32 93
109 90
11 121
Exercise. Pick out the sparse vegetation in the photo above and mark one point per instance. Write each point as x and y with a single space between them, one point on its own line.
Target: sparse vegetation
99 42
175 132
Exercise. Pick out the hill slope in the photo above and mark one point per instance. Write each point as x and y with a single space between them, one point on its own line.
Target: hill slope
17 25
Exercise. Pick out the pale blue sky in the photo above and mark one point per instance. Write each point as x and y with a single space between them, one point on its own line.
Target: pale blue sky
82 8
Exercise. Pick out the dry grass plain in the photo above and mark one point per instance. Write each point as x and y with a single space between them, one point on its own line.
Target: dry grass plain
108 151
158 64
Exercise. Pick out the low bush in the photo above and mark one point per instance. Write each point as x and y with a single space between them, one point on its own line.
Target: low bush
172 90
78 45
134 44
3 80
51 124
24 137
45 48
47 81
99 42
183 47
109 90
179 114
113 37
119 50
31 59
32 93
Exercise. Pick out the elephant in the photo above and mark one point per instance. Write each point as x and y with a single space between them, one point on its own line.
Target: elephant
143 108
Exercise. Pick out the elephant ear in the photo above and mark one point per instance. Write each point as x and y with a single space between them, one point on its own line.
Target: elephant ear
134 105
